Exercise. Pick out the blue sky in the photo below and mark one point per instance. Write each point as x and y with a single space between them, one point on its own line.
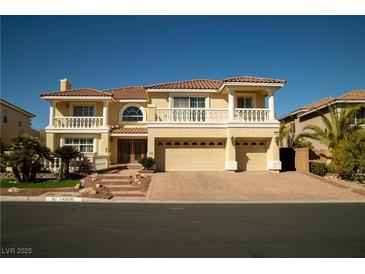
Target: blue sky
319 56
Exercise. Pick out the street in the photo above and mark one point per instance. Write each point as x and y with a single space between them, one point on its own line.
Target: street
181 230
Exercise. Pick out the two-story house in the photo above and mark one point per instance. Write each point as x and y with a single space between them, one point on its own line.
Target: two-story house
309 114
15 121
225 124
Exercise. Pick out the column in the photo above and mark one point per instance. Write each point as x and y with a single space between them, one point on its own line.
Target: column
105 113
51 113
231 163
151 112
273 155
151 146
230 104
271 102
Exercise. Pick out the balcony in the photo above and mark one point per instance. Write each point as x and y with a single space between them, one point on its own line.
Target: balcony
203 115
78 122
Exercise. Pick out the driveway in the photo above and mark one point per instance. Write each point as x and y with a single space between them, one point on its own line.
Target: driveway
244 186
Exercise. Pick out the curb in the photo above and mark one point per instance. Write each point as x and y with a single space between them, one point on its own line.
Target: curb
123 201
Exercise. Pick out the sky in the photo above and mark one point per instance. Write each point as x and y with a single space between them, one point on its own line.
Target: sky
319 56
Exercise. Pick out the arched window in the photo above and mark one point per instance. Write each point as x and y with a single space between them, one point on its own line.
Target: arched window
132 114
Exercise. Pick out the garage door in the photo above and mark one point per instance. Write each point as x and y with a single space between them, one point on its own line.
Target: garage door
190 155
251 155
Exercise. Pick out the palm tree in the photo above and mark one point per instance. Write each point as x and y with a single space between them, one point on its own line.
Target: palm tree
25 157
340 125
66 154
284 133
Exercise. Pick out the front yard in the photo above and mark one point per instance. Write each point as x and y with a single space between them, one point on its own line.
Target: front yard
8 183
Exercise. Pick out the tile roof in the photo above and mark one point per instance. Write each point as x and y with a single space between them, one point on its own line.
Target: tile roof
357 94
252 79
191 84
76 92
318 103
128 93
139 92
129 130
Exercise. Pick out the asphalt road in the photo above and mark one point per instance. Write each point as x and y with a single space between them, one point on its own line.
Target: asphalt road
182 230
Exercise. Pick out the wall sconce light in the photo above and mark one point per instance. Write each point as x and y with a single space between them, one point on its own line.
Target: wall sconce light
233 140
67 105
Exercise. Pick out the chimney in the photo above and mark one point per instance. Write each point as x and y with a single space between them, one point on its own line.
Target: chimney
65 84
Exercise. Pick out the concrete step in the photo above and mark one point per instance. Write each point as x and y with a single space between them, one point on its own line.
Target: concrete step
117 181
115 175
121 187
134 166
128 193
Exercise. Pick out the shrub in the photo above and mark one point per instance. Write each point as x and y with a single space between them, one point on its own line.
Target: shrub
147 162
348 158
85 166
319 168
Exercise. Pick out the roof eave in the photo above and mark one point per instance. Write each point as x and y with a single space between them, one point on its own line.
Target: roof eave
358 101
248 84
60 97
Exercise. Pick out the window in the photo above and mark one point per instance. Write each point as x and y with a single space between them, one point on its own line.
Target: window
82 144
5 115
19 120
360 114
83 111
244 102
189 102
132 114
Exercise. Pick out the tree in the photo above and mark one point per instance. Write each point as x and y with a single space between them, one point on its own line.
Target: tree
339 126
26 157
66 154
292 140
348 157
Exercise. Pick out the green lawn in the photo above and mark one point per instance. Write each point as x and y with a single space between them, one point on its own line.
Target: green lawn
42 184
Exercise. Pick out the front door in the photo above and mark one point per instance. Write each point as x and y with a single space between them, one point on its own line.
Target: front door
131 150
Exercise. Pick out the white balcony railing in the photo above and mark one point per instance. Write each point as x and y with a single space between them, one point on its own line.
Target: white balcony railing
204 115
254 115
191 115
78 122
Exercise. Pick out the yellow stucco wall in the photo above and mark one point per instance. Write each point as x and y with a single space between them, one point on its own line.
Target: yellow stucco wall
11 128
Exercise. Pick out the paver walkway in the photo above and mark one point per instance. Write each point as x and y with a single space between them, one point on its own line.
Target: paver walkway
244 186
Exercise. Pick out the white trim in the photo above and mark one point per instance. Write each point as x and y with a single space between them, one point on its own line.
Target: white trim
78 98
172 95
129 135
229 124
230 165
124 107
184 90
76 130
274 165
95 141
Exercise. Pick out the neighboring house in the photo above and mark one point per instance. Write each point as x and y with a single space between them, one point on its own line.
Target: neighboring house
187 125
15 121
308 115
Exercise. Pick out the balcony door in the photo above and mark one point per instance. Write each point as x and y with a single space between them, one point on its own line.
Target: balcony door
131 150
